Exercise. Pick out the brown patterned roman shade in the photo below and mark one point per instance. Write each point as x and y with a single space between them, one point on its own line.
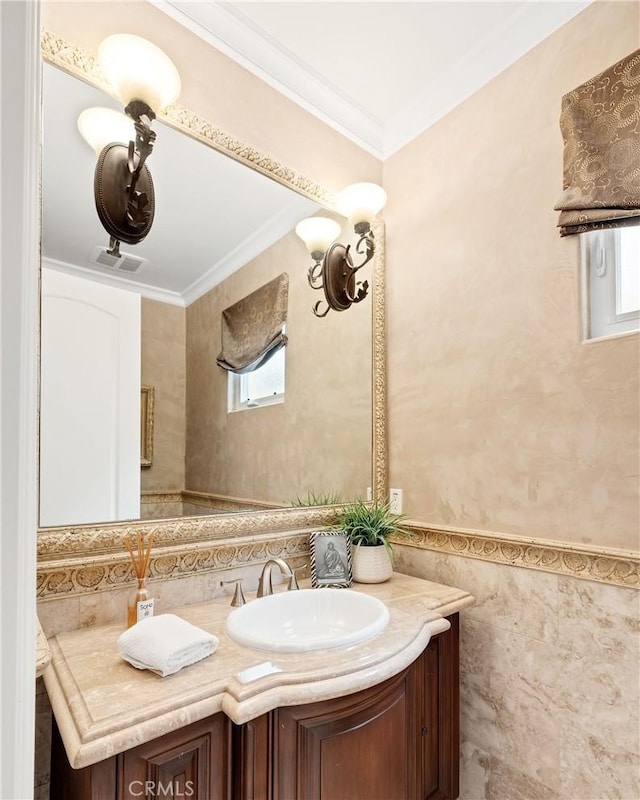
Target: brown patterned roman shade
600 123
253 328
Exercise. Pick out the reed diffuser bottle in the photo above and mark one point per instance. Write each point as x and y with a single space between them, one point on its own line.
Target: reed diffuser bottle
141 605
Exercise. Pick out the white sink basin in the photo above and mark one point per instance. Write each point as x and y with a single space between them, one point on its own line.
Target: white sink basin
307 619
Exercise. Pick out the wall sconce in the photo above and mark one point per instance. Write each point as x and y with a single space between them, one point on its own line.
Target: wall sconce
334 270
146 81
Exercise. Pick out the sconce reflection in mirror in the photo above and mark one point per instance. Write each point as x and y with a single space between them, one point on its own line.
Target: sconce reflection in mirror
334 270
146 81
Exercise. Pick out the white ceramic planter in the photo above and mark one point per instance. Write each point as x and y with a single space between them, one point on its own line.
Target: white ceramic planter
371 564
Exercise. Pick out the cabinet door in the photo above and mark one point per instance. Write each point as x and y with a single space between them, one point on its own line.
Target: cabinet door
440 752
361 747
193 762
252 748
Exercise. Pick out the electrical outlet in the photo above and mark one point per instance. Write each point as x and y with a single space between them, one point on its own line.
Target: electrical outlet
395 501
369 494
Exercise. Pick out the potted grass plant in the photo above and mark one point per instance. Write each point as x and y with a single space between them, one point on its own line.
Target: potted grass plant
368 527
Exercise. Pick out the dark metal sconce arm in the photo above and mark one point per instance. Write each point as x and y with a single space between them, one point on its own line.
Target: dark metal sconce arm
138 153
335 273
316 309
365 242
315 272
140 150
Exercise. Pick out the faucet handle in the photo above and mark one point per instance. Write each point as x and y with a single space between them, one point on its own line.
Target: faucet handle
238 595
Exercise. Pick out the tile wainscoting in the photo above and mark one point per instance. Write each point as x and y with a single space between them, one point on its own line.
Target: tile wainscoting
549 680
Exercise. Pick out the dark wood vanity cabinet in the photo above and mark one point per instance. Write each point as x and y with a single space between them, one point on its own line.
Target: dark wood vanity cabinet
394 741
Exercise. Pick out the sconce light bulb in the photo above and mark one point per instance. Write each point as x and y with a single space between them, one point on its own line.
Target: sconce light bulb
360 202
102 126
317 233
138 70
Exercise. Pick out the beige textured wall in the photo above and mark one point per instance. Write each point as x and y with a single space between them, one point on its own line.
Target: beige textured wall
500 419
222 91
319 439
163 367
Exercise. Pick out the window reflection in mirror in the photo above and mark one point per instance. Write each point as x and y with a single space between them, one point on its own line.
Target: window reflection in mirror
263 387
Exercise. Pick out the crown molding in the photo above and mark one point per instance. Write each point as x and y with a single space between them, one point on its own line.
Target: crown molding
279 225
520 33
264 237
262 55
143 289
224 26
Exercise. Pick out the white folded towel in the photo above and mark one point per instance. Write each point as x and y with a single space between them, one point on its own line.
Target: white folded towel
164 644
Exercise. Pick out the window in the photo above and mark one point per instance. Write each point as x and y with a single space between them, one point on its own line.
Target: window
263 387
611 281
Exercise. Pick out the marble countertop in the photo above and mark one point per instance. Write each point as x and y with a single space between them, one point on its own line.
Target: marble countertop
43 651
104 706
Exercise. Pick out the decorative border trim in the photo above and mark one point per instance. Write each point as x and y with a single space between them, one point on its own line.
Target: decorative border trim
85 541
605 565
98 573
379 469
88 541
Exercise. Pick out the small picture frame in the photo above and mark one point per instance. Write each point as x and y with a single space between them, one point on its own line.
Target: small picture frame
330 559
146 425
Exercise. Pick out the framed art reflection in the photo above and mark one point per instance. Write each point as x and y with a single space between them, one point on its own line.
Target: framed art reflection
146 426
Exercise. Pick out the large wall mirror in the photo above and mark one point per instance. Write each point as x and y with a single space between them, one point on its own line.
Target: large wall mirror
223 227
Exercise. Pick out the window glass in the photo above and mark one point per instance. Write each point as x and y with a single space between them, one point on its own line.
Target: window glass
611 281
264 386
628 279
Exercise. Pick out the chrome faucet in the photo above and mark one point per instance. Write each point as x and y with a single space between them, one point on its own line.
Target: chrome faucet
265 583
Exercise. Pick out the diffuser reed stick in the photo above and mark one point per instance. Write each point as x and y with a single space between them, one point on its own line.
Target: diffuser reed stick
142 605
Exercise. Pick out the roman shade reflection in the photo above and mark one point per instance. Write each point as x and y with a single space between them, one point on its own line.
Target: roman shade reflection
600 123
253 328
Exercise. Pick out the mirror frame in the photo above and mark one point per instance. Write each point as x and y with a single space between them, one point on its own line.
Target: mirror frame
82 558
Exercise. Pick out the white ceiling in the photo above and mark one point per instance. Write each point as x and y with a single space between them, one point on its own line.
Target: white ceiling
379 72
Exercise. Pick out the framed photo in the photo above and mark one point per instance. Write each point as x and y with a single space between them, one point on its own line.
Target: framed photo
330 559
146 426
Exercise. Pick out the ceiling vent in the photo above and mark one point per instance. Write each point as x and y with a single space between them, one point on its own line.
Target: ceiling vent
125 263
